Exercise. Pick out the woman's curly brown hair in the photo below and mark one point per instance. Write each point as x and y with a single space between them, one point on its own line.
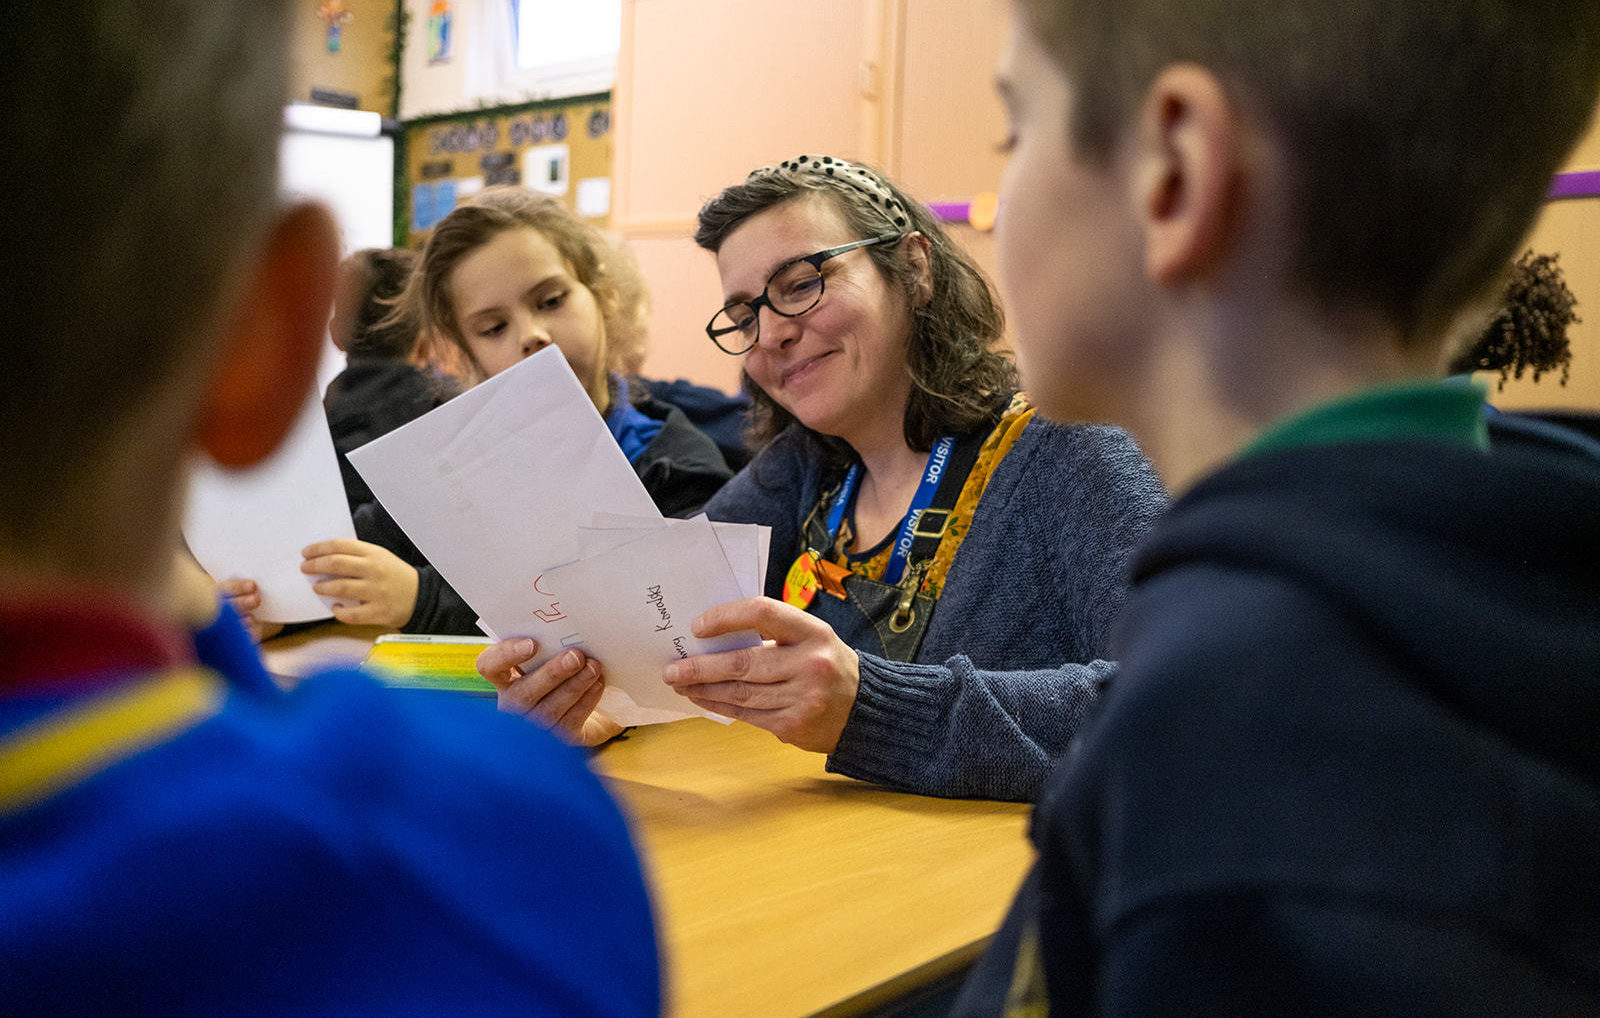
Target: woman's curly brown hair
1530 330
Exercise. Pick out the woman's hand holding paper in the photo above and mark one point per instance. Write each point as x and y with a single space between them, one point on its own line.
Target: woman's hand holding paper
799 685
560 694
374 586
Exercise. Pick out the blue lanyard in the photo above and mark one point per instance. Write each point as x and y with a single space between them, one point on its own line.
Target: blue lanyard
920 501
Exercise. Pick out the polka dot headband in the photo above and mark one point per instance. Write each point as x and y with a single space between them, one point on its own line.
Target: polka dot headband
858 177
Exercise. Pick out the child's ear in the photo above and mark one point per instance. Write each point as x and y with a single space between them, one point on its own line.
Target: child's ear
274 341
1188 163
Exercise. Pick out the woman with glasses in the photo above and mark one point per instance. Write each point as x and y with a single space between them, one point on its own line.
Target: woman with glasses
945 567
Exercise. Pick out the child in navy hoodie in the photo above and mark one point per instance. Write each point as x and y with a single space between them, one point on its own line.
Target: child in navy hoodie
1348 764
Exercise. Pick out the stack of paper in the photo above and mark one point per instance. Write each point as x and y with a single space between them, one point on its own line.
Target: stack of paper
519 496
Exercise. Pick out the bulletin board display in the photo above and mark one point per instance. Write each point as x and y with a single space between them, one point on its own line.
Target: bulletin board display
561 148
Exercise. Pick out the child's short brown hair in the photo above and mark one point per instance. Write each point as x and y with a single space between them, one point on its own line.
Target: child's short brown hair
140 157
1422 135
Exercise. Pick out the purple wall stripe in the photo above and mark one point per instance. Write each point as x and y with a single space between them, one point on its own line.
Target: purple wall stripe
951 211
1578 184
1582 184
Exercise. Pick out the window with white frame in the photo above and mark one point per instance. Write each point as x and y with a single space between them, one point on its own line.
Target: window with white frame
561 35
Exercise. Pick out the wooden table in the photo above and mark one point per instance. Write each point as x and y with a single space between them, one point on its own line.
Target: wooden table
783 890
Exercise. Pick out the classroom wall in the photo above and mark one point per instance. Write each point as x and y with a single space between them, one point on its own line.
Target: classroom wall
904 84
441 76
699 102
949 123
709 89
470 63
361 66
561 148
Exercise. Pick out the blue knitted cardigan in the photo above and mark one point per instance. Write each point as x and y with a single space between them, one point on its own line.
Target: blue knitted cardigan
1012 656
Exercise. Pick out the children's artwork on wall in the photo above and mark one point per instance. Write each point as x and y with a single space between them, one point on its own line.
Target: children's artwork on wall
430 202
500 168
335 16
594 197
439 32
545 168
546 146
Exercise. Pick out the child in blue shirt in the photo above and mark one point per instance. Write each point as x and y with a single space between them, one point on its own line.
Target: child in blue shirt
177 835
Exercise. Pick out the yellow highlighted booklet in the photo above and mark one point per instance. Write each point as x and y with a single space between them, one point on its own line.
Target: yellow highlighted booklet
428 662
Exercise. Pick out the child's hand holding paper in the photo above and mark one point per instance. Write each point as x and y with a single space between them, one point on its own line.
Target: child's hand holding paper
560 694
249 526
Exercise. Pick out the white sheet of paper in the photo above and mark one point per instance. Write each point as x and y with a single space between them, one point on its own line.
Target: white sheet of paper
630 607
493 486
747 542
251 524
743 544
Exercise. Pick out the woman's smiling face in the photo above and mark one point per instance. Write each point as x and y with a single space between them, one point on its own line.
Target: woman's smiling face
840 368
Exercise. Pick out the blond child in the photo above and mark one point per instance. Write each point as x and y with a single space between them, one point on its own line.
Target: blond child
503 277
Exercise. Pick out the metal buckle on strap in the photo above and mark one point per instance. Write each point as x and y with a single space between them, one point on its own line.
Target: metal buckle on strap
922 519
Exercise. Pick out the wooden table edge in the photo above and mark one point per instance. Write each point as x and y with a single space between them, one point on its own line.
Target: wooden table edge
898 986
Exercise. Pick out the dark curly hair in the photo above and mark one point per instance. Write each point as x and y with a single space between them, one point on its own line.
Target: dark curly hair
1530 329
958 378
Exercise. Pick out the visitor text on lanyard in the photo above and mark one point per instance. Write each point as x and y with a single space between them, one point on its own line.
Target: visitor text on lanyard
938 461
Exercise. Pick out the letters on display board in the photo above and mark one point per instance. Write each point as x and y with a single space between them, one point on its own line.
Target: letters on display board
560 148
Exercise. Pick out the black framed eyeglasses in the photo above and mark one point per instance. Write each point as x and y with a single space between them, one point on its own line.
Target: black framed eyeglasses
791 291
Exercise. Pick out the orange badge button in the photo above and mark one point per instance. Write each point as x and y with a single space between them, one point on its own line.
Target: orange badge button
800 585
